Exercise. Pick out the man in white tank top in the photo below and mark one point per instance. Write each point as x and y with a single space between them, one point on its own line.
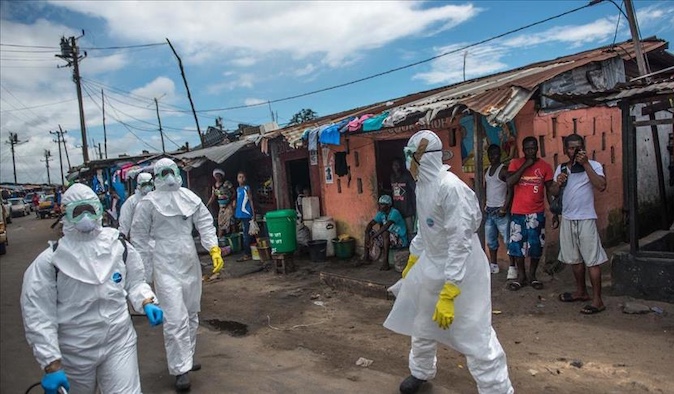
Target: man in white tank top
497 218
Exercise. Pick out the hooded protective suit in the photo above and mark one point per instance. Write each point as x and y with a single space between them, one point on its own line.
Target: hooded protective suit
449 251
166 216
129 207
74 304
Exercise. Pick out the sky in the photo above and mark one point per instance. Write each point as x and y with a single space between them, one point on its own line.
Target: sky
246 53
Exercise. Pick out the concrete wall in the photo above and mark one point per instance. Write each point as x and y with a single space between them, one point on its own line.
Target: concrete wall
650 212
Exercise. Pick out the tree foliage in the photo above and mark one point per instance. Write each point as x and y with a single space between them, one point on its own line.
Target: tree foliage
304 115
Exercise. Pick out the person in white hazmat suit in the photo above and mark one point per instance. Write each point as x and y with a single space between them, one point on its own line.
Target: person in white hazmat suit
74 304
445 293
143 187
166 216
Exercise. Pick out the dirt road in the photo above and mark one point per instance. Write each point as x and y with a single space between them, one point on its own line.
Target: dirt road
303 337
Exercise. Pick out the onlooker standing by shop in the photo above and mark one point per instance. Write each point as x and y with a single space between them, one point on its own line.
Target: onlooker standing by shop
223 192
404 197
244 212
36 204
497 217
529 177
579 240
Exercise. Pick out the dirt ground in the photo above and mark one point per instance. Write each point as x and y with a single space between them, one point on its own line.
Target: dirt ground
619 353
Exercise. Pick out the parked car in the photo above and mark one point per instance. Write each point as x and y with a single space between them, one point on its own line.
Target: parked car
6 211
18 207
47 207
28 199
3 232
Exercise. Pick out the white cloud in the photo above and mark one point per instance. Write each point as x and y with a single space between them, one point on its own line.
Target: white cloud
336 30
103 64
160 86
489 58
254 101
306 70
244 61
233 81
481 60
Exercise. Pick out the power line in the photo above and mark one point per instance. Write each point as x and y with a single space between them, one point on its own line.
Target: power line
119 121
410 65
39 106
87 48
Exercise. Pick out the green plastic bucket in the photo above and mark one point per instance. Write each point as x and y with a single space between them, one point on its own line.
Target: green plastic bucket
234 241
344 249
281 228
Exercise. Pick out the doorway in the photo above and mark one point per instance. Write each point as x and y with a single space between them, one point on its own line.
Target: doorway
386 152
298 177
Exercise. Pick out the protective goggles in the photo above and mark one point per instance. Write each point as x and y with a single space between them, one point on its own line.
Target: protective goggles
146 184
411 153
166 171
76 211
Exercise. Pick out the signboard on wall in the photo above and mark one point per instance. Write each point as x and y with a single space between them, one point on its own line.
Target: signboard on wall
329 174
313 157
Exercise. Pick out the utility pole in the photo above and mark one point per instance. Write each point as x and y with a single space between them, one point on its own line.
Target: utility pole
105 132
47 157
632 19
161 132
58 141
189 96
100 153
65 147
14 140
70 53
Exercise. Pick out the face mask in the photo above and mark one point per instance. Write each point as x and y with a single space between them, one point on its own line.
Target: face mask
86 224
413 156
145 190
170 180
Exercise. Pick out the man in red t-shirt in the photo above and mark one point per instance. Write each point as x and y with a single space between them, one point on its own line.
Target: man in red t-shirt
531 178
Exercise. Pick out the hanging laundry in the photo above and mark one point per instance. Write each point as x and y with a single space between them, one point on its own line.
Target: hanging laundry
355 124
344 128
341 168
313 139
375 122
398 116
330 135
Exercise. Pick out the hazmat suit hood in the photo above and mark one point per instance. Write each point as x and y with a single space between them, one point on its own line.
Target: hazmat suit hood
430 163
169 198
143 177
82 254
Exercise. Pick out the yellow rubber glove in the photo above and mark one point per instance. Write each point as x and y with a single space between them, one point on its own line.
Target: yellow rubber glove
444 309
410 263
216 257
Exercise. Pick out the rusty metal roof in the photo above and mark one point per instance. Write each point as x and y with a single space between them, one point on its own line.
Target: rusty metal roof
499 97
621 92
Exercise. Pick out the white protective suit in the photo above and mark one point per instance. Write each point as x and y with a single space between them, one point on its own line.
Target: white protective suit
129 209
166 216
74 304
129 206
449 250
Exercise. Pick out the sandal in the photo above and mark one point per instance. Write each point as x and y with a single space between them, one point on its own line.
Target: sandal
591 309
568 297
244 258
537 284
514 285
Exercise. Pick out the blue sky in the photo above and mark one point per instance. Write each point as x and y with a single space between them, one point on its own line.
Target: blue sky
243 53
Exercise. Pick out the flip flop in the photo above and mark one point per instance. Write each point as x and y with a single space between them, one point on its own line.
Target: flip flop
568 297
514 285
591 309
537 284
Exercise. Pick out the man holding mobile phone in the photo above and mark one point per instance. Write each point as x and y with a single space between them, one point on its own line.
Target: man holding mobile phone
580 245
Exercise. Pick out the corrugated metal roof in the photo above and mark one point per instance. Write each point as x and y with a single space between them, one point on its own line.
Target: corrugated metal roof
622 92
218 153
499 97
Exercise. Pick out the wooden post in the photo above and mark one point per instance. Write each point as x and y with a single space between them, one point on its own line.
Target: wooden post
478 140
630 174
664 208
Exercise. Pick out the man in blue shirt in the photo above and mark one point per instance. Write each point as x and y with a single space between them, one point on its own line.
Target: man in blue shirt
392 231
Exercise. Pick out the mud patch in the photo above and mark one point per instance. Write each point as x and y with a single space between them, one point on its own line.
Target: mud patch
233 328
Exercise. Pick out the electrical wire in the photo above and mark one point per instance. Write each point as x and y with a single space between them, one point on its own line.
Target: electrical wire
40 117
39 106
119 121
86 48
617 24
410 65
